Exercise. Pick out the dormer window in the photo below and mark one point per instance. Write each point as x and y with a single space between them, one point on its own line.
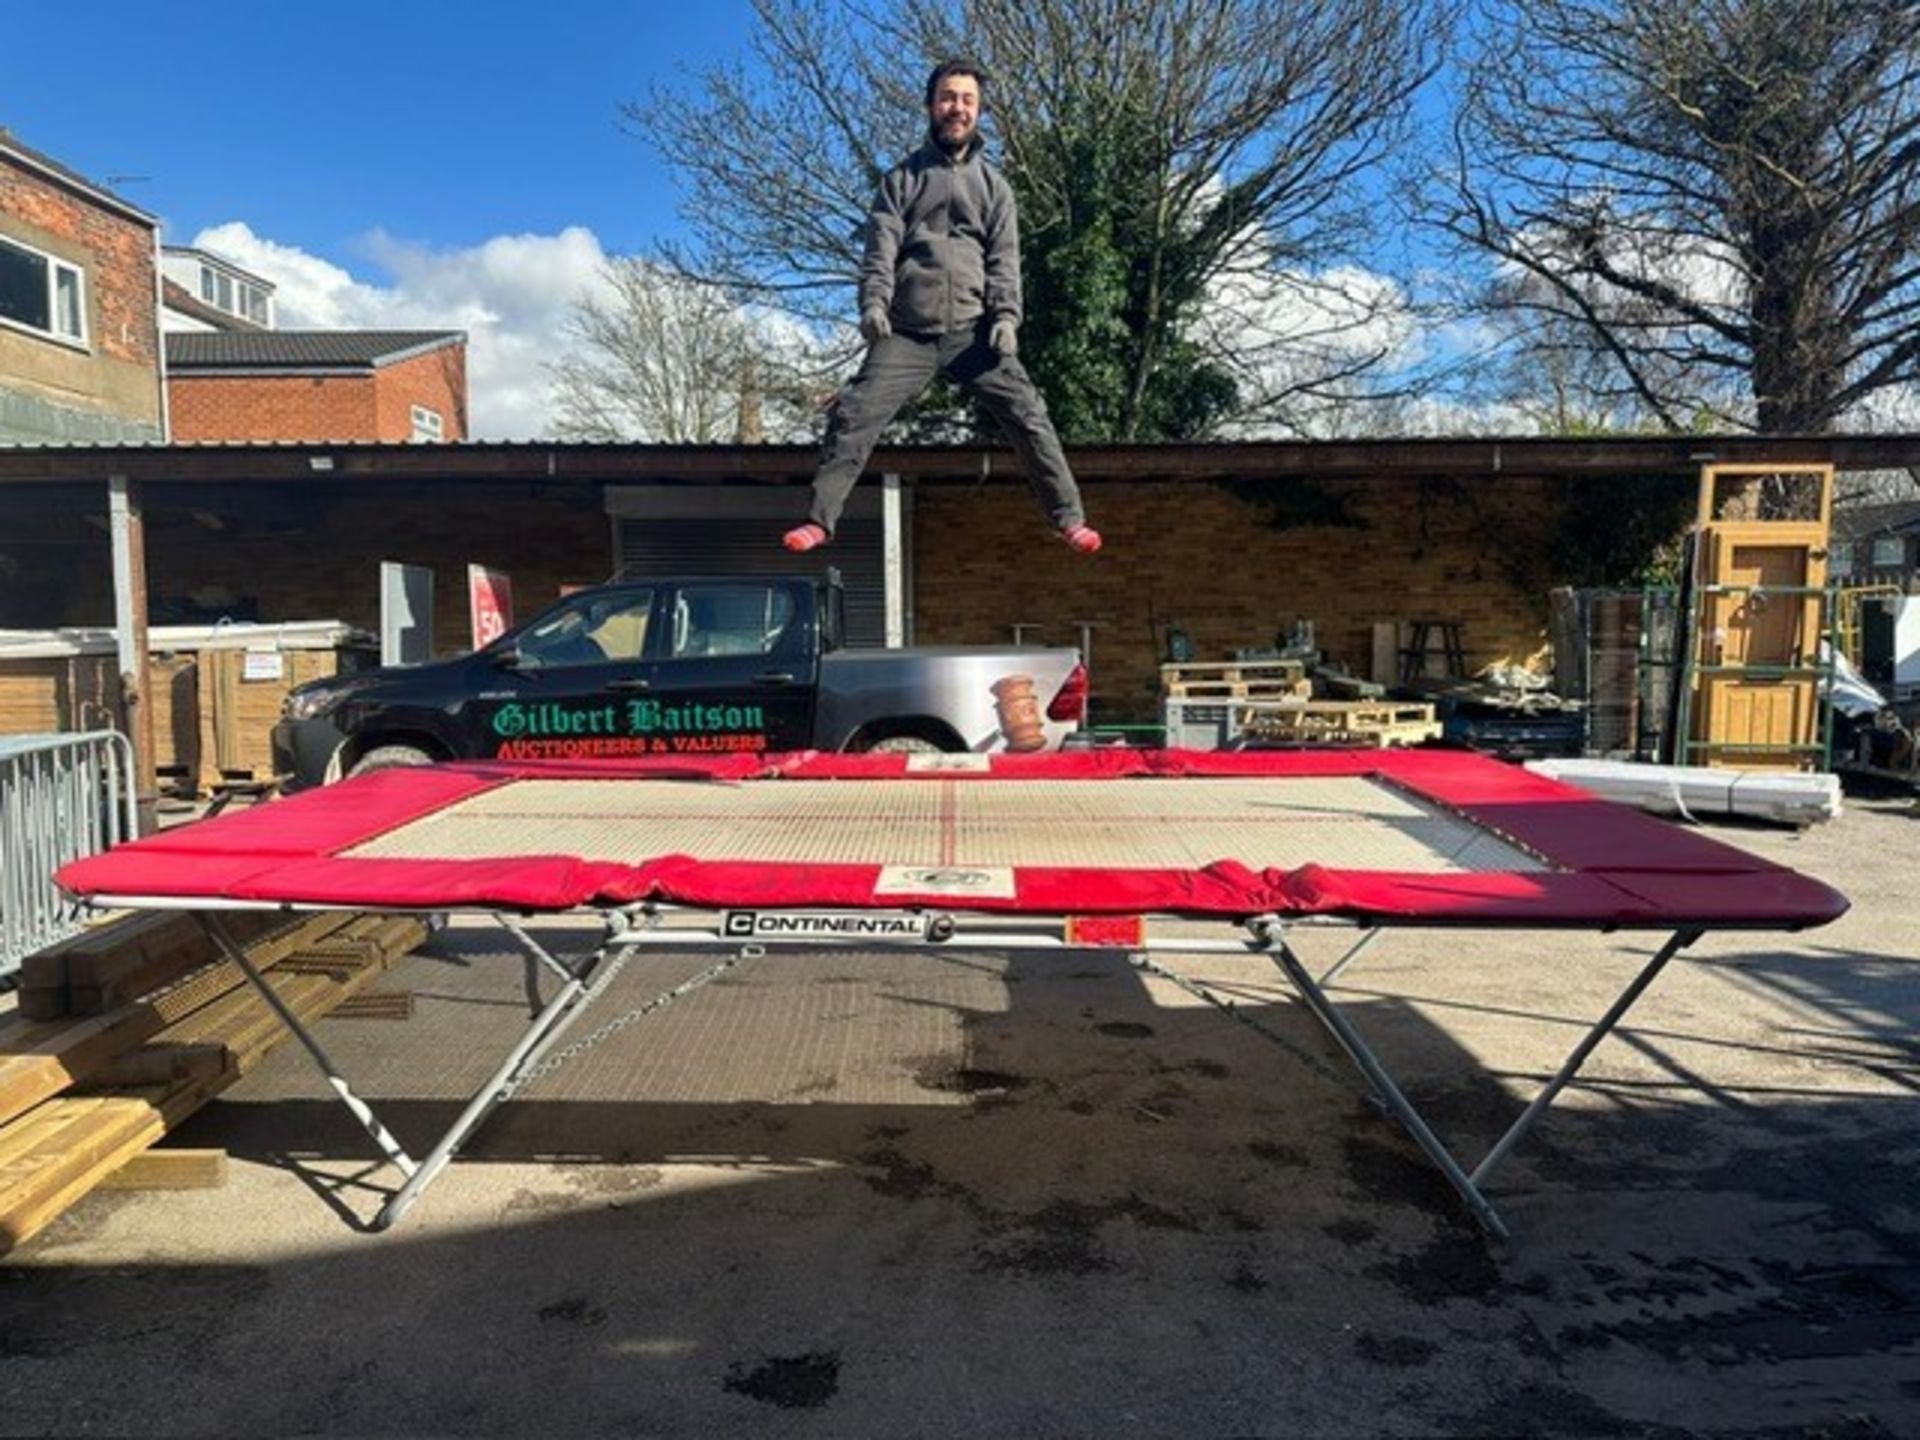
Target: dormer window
42 293
236 297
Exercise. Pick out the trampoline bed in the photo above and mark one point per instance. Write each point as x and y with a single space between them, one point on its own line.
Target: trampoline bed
1106 848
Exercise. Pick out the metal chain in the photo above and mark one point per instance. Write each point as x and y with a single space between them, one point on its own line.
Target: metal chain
614 1026
1232 1009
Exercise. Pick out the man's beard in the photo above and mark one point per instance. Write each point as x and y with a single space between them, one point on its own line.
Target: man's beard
952 146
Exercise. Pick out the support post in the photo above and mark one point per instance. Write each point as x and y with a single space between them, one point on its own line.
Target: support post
127 528
893 547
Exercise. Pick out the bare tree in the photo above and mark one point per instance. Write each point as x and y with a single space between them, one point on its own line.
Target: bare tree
662 358
1718 198
1159 148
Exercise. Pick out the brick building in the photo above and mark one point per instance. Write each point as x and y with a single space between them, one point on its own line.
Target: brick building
318 385
942 546
80 358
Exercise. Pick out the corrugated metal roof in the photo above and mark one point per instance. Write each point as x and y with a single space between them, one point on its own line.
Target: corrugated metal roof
1276 462
1858 521
300 349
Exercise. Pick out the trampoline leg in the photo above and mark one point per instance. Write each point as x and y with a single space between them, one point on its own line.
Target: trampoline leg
540 1035
1389 1093
1679 941
582 988
359 1109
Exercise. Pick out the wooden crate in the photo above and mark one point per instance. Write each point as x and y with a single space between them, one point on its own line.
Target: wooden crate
237 713
173 689
59 694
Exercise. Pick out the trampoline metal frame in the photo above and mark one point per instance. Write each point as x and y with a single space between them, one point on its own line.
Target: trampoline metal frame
631 929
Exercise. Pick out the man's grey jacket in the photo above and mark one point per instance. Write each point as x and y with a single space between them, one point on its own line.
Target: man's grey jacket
943 244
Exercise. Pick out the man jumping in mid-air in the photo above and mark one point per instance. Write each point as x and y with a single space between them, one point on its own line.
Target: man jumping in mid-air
940 292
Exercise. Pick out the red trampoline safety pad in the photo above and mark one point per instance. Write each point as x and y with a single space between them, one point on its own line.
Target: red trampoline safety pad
1606 865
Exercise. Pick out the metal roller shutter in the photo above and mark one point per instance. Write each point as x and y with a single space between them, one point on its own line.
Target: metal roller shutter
739 534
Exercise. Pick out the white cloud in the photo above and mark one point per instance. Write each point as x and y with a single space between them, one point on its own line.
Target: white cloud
511 294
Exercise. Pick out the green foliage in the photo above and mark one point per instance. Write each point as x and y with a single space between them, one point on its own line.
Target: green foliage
1293 504
1621 531
1107 287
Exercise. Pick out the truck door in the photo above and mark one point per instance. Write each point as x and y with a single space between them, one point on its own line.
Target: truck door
569 685
739 666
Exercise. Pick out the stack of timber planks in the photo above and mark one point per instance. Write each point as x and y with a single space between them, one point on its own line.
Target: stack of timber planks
137 1023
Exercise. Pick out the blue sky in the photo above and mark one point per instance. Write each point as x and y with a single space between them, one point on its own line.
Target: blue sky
387 164
398 165
439 123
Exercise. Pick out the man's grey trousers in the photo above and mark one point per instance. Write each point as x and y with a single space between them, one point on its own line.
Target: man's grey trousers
899 367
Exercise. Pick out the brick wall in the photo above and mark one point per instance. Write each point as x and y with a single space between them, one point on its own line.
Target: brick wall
373 406
1185 552
437 380
1192 553
118 373
271 407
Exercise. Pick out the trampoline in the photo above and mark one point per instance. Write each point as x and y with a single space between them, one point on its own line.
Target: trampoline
1141 851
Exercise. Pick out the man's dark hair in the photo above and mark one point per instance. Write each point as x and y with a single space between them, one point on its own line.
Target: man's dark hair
947 69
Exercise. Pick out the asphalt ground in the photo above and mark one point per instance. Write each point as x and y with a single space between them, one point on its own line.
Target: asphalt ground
845 1193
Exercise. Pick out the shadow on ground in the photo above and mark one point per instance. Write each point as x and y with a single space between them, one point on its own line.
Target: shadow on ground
1083 1210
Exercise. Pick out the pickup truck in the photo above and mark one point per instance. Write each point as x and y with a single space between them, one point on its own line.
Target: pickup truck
695 666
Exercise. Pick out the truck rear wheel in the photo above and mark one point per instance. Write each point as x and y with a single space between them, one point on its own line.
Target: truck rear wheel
904 745
390 757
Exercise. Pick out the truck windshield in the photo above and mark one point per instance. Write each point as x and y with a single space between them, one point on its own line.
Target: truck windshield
591 630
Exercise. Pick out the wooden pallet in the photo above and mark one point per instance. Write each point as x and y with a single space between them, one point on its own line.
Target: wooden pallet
1369 723
1239 690
1237 680
1232 670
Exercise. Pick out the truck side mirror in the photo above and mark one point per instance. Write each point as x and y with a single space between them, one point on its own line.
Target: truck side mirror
505 656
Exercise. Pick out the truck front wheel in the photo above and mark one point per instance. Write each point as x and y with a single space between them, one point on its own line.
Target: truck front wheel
390 757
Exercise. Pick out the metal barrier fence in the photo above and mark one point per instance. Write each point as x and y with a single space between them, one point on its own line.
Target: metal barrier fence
61 797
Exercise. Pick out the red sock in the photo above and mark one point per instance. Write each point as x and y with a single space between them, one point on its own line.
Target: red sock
1083 538
805 537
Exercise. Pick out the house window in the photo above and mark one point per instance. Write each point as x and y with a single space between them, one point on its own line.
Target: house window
1840 558
39 292
236 297
1889 552
428 428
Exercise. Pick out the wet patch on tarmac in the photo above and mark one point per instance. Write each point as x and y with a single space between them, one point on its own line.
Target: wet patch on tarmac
899 1178
1286 1156
574 1310
1554 1410
1454 1265
1125 1029
1246 1281
792 1382
1768 1312
951 1079
1385 1173
1064 1237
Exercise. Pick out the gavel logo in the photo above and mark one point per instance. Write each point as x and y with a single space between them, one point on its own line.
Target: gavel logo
1019 711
